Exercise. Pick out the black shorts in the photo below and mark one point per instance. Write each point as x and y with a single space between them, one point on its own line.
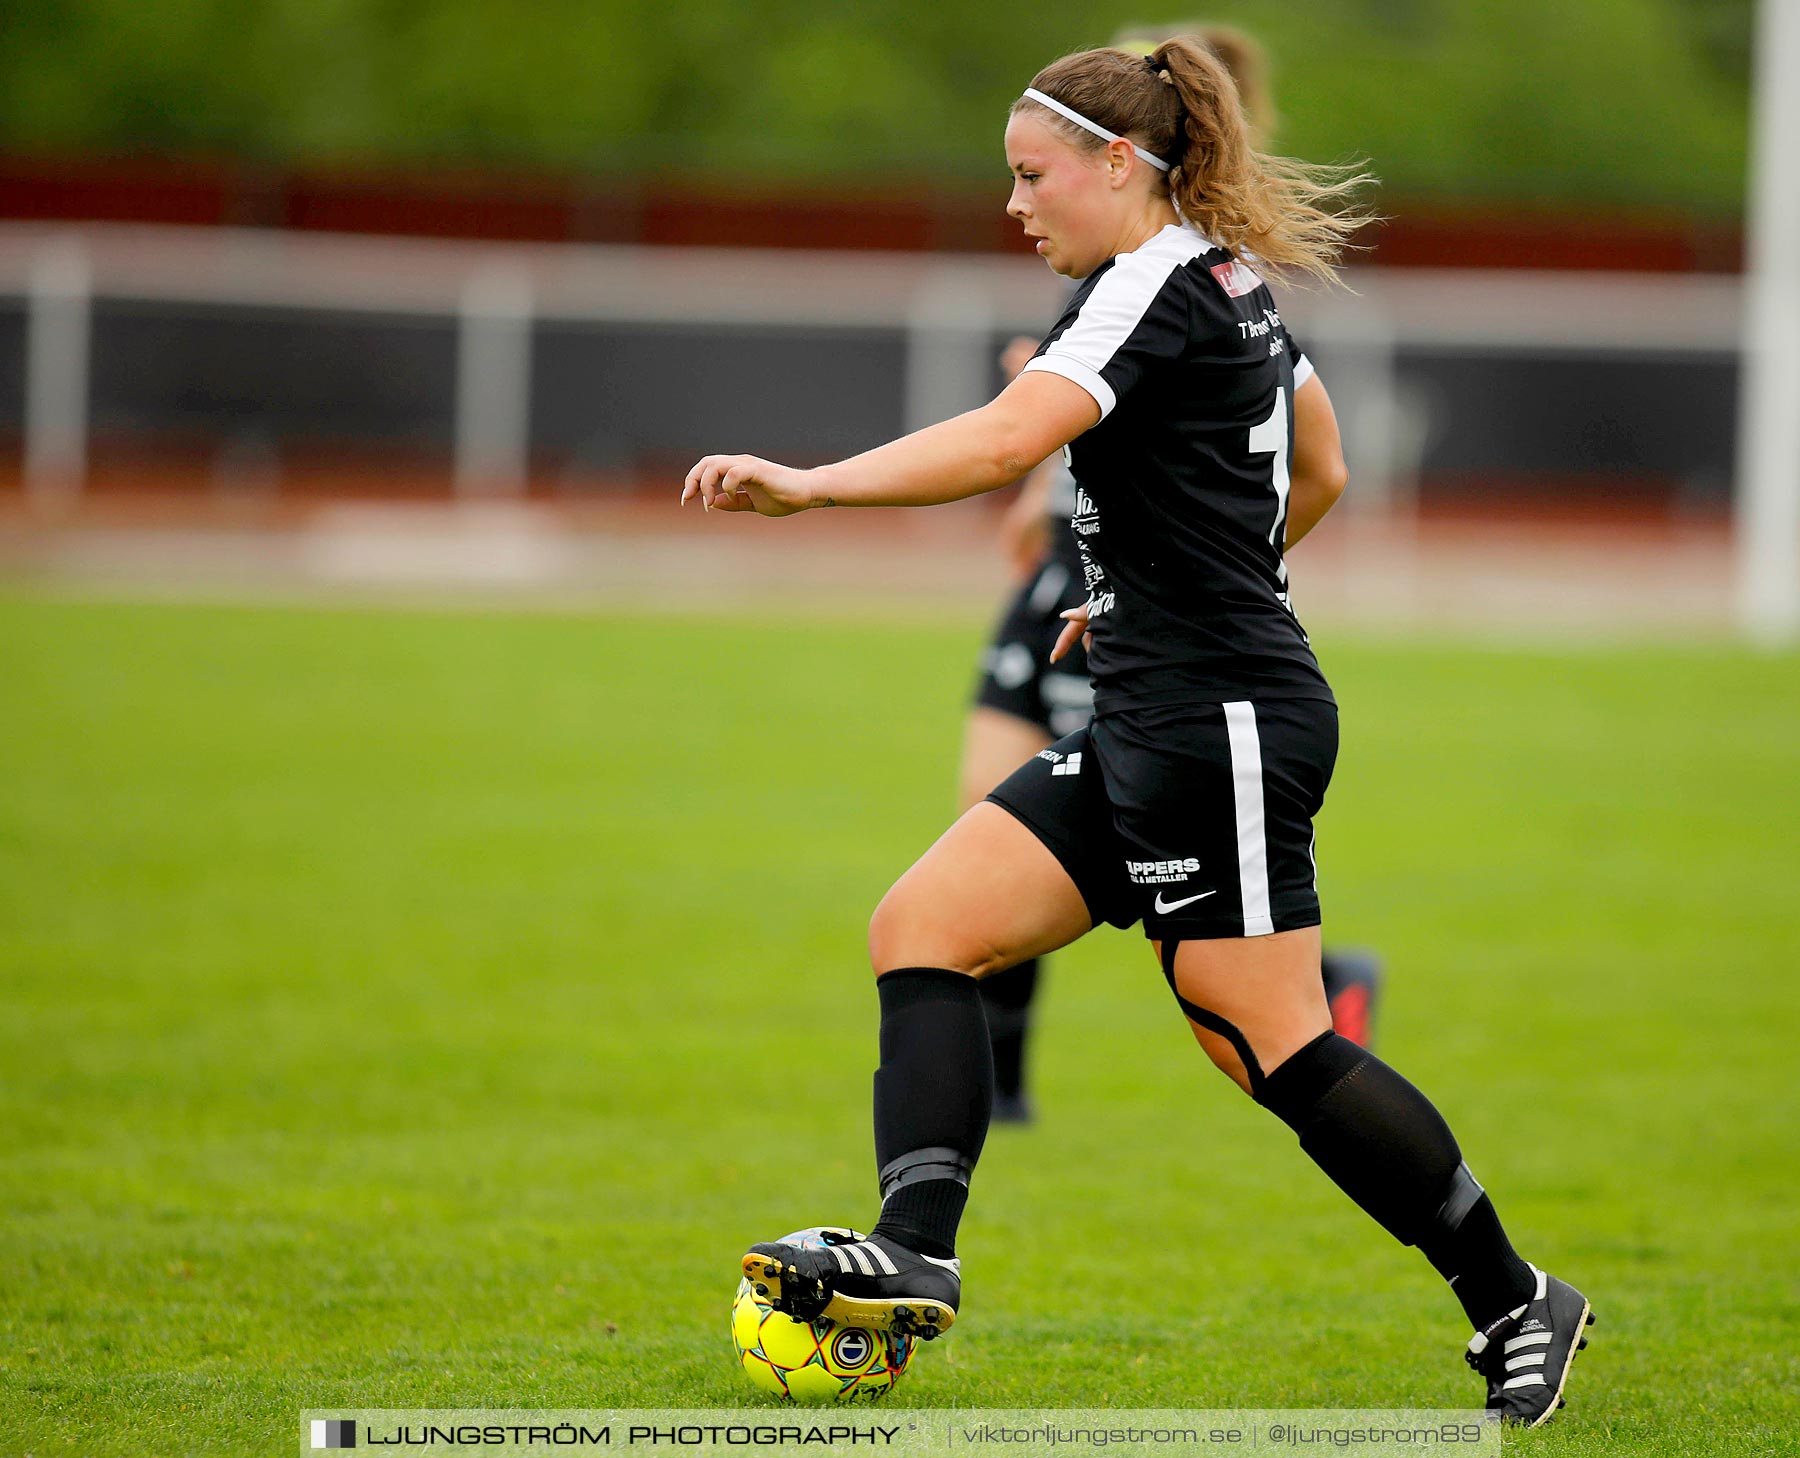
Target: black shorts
1017 676
1195 820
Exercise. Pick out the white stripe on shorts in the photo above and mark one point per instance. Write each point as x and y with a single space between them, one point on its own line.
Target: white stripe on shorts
1252 830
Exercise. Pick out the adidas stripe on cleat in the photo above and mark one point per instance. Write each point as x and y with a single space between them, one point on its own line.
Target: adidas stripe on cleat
868 1282
1526 1353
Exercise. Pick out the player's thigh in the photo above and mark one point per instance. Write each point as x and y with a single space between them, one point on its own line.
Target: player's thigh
995 743
1265 990
989 894
1216 803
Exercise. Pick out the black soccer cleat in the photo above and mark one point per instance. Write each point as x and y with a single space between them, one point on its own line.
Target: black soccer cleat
858 1282
1526 1354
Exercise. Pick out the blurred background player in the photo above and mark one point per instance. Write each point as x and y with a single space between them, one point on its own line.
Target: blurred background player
1024 702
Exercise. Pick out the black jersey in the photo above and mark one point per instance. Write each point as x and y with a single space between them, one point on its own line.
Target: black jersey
1182 486
1059 501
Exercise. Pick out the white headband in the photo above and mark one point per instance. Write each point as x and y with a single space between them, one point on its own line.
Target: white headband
1094 127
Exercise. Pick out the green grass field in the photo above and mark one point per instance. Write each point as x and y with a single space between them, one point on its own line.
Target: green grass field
374 989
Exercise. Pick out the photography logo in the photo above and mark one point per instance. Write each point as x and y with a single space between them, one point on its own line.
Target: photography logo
334 1432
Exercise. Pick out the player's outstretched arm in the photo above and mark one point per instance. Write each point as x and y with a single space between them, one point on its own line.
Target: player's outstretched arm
981 451
1318 474
1025 528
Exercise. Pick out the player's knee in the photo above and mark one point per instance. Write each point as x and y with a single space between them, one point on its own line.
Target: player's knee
887 930
907 931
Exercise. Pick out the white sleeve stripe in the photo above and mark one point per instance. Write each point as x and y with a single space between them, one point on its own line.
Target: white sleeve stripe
1112 312
1303 371
1088 379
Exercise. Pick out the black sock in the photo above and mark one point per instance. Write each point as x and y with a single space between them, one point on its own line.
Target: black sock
1389 1149
1484 1271
934 1093
1006 997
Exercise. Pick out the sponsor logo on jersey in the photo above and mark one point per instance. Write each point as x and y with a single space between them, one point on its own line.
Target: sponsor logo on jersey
1237 279
1156 873
1258 328
1086 523
1268 327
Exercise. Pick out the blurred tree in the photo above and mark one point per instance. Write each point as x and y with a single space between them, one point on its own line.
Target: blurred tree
1723 29
1627 101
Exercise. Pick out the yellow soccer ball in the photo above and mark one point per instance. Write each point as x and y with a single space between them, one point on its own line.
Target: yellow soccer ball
813 1361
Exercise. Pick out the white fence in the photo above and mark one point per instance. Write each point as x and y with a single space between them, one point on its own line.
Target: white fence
948 309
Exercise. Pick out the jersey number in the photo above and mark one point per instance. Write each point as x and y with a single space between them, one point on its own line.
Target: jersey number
1272 435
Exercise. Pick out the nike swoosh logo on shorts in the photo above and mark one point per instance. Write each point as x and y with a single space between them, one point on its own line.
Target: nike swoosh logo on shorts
1185 901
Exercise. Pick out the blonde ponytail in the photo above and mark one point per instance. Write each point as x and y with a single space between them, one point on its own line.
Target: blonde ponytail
1180 103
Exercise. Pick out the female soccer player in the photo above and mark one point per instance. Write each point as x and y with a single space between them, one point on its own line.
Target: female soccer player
1188 802
1024 703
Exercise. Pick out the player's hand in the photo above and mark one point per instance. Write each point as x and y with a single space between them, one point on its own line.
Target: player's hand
748 483
1075 626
